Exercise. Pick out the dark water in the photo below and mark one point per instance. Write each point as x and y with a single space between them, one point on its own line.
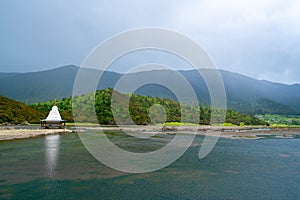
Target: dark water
59 167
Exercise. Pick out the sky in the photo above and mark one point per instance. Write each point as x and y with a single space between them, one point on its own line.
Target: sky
260 39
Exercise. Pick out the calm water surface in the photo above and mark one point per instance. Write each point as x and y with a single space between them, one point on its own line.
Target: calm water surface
59 167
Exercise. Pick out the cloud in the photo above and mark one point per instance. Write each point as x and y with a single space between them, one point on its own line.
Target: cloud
257 38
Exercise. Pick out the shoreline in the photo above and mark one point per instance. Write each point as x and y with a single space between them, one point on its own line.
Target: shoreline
15 134
234 132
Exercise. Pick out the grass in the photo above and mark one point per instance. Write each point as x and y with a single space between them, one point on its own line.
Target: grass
270 118
284 126
281 120
177 124
228 124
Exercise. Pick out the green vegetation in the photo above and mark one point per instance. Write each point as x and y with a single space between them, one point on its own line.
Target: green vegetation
14 112
237 118
281 120
177 124
64 105
141 110
228 124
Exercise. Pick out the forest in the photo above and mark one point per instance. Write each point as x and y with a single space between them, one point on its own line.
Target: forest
111 107
14 112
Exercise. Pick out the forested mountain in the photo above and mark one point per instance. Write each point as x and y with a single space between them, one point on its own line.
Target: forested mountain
244 94
39 86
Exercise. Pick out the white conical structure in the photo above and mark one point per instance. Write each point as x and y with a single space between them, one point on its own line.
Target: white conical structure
53 119
54 115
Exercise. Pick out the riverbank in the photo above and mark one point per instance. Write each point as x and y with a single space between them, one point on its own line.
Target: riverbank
235 132
13 134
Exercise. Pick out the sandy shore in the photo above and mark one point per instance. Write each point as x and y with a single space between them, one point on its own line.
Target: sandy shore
12 134
245 132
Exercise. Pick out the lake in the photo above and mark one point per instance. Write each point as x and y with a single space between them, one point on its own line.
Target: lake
59 167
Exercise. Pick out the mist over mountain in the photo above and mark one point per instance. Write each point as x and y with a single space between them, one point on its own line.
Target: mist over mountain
243 94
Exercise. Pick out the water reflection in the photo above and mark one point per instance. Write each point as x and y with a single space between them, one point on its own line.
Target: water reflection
52 149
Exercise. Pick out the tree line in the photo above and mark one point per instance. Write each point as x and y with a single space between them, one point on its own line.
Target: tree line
111 107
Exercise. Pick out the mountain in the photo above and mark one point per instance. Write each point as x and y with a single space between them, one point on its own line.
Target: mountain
38 86
4 75
14 112
243 93
240 88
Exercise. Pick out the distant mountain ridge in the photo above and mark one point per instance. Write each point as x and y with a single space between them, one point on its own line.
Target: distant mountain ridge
244 94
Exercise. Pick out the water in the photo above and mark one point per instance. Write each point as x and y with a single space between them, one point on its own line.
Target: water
59 167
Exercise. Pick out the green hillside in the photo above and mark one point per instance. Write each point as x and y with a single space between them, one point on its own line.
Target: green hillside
139 107
14 112
260 107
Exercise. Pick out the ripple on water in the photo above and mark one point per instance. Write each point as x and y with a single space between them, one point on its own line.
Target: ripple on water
61 168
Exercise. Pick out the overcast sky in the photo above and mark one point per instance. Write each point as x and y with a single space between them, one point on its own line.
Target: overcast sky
258 38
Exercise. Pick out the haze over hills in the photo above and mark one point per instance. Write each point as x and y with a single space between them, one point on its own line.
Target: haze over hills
244 94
